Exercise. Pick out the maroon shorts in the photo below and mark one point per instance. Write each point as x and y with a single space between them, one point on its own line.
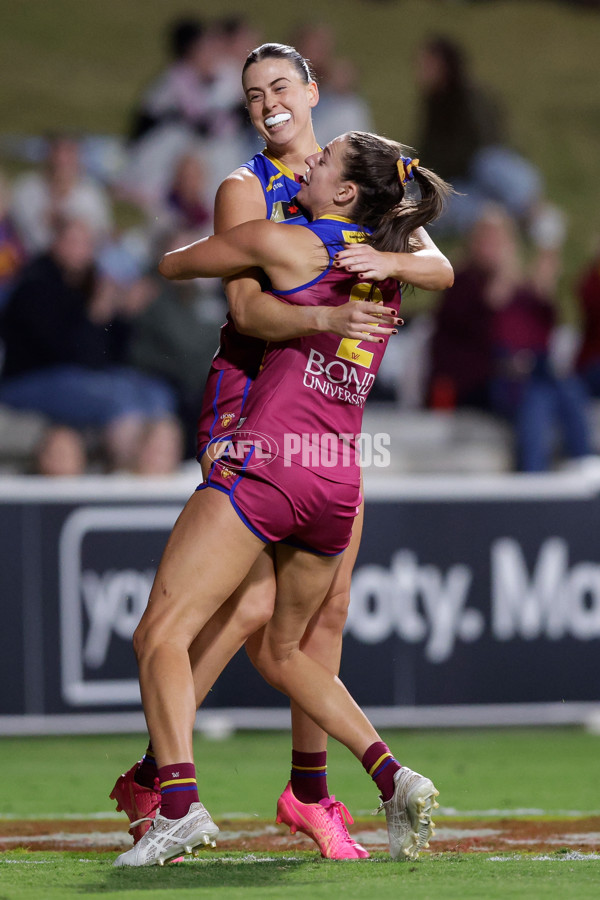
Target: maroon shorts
222 404
289 503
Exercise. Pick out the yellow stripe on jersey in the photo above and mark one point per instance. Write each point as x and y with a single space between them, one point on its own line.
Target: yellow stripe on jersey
272 179
283 169
334 218
279 165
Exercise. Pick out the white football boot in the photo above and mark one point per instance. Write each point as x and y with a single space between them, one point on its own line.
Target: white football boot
169 838
408 814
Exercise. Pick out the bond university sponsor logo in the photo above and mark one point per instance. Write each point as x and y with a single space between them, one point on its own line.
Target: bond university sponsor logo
347 376
338 378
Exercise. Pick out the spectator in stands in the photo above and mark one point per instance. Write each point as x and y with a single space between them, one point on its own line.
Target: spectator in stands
341 107
67 334
491 345
12 251
176 338
182 92
61 452
61 190
187 206
463 136
588 293
193 105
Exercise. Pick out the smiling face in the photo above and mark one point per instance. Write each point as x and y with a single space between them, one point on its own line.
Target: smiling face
279 101
323 189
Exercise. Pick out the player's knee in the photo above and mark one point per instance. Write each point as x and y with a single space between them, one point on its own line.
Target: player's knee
141 641
254 612
270 659
334 612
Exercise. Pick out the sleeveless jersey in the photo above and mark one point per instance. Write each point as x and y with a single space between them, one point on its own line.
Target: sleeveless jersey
310 392
280 188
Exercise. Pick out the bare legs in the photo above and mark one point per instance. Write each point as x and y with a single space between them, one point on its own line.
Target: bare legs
302 578
322 640
251 607
211 631
248 609
208 554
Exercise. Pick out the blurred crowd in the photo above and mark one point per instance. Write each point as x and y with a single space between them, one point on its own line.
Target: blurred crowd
113 358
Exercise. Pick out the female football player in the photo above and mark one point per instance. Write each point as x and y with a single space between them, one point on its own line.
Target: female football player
353 190
280 94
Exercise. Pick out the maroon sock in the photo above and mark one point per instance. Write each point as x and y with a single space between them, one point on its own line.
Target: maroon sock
147 771
381 766
309 776
178 789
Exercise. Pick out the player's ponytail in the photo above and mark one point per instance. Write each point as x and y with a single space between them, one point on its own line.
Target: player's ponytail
385 203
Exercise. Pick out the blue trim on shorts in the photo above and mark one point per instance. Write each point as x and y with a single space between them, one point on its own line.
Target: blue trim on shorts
248 525
300 545
237 510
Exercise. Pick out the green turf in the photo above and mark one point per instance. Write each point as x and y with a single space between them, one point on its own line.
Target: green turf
553 770
27 876
546 769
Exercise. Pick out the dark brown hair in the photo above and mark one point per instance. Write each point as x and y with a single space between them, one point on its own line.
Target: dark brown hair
386 206
281 51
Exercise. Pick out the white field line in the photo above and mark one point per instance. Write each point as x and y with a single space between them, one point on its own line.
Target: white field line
94 839
371 838
571 856
442 812
214 858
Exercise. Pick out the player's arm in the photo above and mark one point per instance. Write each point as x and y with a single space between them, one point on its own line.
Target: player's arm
291 255
240 198
245 246
282 252
425 268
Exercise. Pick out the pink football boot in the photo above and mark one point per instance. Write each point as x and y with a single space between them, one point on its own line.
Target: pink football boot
324 822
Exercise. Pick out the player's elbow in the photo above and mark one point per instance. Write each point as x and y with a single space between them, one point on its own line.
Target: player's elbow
446 275
167 267
242 319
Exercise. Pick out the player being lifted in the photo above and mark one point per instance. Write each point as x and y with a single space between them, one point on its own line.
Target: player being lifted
356 184
280 94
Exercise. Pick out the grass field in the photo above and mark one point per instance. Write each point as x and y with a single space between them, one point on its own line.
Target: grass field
519 817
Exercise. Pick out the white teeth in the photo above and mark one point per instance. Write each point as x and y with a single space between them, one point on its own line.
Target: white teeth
277 120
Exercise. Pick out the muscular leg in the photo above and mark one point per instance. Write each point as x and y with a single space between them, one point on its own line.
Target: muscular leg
248 609
302 579
322 640
199 570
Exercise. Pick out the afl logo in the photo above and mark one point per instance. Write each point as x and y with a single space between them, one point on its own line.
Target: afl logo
246 448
